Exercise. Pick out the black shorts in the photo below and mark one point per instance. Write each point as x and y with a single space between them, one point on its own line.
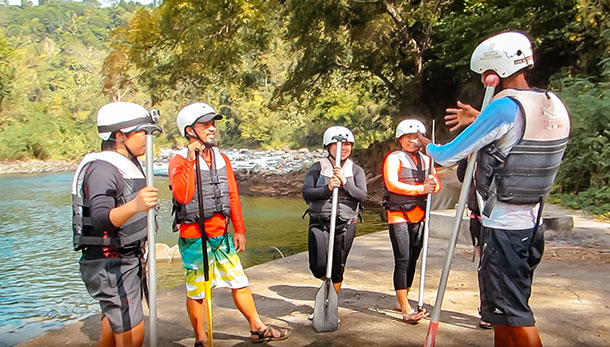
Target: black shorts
506 271
116 284
318 245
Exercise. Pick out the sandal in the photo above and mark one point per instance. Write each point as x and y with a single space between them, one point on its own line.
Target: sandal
267 334
201 343
485 325
414 317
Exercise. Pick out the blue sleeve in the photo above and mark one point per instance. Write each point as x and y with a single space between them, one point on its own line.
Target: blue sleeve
493 123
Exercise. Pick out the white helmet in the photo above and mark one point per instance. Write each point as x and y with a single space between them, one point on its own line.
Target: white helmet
331 135
504 53
122 116
410 126
195 112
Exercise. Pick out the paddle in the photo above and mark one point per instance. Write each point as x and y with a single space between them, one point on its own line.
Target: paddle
424 256
204 240
151 291
491 82
326 307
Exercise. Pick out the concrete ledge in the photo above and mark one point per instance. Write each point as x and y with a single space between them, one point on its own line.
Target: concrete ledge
562 225
441 224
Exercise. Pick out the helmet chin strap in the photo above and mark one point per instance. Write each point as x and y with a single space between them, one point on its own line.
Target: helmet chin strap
124 142
195 134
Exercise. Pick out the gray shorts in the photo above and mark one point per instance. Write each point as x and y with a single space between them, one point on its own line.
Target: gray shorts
116 284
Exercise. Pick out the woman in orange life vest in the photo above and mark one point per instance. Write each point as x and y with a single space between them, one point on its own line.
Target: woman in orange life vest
408 178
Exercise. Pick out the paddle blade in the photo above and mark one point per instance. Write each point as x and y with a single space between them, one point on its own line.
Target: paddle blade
326 309
431 336
208 311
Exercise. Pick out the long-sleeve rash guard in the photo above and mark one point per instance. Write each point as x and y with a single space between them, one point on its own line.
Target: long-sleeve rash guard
102 184
494 123
391 171
501 122
182 180
354 187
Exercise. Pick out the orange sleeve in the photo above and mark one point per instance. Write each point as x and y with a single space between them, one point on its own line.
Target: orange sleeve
391 169
236 217
182 178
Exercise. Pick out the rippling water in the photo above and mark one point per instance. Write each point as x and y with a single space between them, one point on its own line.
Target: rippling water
40 285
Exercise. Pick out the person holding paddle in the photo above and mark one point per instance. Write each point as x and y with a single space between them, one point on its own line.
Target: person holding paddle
408 178
520 138
110 204
220 204
322 178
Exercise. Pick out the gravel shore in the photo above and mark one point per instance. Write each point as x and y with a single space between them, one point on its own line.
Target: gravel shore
36 166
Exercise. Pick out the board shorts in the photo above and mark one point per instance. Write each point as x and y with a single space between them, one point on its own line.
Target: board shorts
506 272
116 283
223 261
318 246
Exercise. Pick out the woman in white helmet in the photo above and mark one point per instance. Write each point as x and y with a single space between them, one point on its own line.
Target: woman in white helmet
320 180
408 179
520 138
110 200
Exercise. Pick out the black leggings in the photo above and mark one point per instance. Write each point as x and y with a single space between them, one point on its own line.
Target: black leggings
406 243
318 244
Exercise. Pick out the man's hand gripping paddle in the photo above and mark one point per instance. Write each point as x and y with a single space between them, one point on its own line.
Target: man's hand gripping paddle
424 256
150 288
491 81
326 307
207 284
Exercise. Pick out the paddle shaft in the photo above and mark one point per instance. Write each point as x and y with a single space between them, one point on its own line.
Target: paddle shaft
333 218
424 254
440 294
152 260
204 248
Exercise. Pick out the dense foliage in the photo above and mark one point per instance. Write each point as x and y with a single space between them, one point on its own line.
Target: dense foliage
52 84
284 70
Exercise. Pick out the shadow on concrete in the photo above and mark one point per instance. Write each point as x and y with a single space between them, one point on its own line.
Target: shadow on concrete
379 305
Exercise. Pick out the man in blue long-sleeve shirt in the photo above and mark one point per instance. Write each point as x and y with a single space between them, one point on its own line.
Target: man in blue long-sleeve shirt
521 136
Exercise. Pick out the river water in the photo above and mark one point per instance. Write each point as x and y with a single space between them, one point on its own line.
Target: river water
40 286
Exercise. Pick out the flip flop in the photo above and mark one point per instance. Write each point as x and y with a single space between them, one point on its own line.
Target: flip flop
267 334
485 325
414 317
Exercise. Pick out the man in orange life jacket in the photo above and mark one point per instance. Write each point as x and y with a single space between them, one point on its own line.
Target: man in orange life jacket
221 203
520 138
408 178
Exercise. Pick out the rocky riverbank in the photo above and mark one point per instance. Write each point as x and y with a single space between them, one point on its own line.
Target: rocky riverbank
265 172
36 166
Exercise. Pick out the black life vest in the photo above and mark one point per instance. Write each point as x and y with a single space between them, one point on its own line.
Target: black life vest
410 173
133 230
215 186
525 175
347 206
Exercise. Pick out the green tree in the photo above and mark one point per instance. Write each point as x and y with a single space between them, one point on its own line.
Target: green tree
6 70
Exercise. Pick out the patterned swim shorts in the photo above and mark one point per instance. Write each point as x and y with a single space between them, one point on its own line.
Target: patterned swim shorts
224 263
